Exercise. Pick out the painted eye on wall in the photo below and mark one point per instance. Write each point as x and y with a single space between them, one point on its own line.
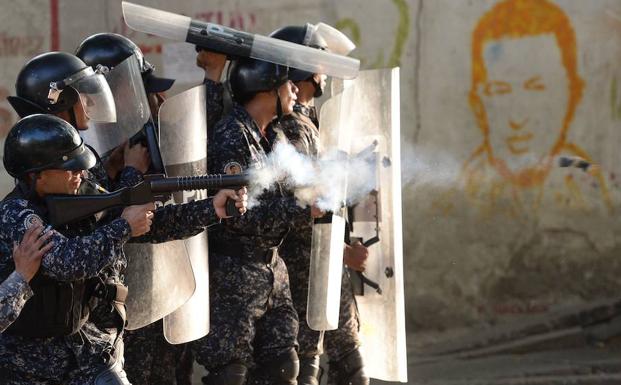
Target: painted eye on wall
497 88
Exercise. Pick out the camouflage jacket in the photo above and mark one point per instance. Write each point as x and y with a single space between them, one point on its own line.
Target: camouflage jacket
302 129
239 144
14 292
70 259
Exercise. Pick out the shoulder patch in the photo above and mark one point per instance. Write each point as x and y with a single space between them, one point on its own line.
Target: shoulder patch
233 168
32 220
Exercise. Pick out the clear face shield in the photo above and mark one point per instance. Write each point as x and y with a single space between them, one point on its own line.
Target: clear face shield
329 38
93 93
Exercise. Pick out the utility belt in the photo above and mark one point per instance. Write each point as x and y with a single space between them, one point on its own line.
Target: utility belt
264 255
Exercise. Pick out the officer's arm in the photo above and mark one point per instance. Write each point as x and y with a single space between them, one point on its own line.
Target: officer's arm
70 258
179 221
14 292
274 214
214 95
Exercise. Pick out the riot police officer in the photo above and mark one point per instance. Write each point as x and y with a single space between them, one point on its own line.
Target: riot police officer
75 92
301 128
253 322
52 342
149 358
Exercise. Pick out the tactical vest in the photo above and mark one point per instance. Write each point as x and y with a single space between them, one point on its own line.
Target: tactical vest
57 308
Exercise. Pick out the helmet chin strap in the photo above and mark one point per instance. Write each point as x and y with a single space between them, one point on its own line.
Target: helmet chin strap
318 90
73 119
279 111
31 185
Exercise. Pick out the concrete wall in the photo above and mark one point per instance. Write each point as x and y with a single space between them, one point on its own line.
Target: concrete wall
494 231
499 232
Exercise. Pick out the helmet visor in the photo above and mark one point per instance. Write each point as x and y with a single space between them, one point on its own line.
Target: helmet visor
96 98
337 42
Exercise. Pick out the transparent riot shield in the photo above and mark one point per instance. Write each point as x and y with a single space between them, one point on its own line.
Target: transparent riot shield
163 277
326 261
183 142
376 221
160 279
132 109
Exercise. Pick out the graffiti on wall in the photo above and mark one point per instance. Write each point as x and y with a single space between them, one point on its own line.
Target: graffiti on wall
20 45
382 59
525 88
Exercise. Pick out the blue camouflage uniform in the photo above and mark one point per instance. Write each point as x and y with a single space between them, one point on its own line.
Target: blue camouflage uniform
169 223
76 358
253 321
14 292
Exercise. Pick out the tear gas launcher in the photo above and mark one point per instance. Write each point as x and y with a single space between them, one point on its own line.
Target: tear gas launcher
67 208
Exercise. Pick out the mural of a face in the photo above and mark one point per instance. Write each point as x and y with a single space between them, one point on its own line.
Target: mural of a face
525 98
525 86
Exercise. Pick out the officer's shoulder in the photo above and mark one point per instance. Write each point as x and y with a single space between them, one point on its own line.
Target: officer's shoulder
15 210
13 204
294 124
229 126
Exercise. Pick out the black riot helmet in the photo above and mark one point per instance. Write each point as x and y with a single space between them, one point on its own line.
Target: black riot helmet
54 82
300 34
247 77
111 49
44 142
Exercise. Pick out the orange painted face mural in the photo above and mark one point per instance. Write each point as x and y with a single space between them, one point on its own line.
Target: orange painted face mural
525 89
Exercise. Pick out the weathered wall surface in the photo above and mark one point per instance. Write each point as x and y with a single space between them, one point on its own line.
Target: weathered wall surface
492 93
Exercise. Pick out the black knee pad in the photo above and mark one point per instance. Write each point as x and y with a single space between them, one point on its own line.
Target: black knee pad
283 370
232 374
350 369
114 375
309 371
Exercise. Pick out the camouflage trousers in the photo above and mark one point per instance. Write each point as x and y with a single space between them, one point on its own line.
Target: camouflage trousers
73 360
337 343
151 360
252 316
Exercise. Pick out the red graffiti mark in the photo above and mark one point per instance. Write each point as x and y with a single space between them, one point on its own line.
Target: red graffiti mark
150 48
54 26
25 45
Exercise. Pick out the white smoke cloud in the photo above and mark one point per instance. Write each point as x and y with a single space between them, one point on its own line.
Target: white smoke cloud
329 182
335 179
424 167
